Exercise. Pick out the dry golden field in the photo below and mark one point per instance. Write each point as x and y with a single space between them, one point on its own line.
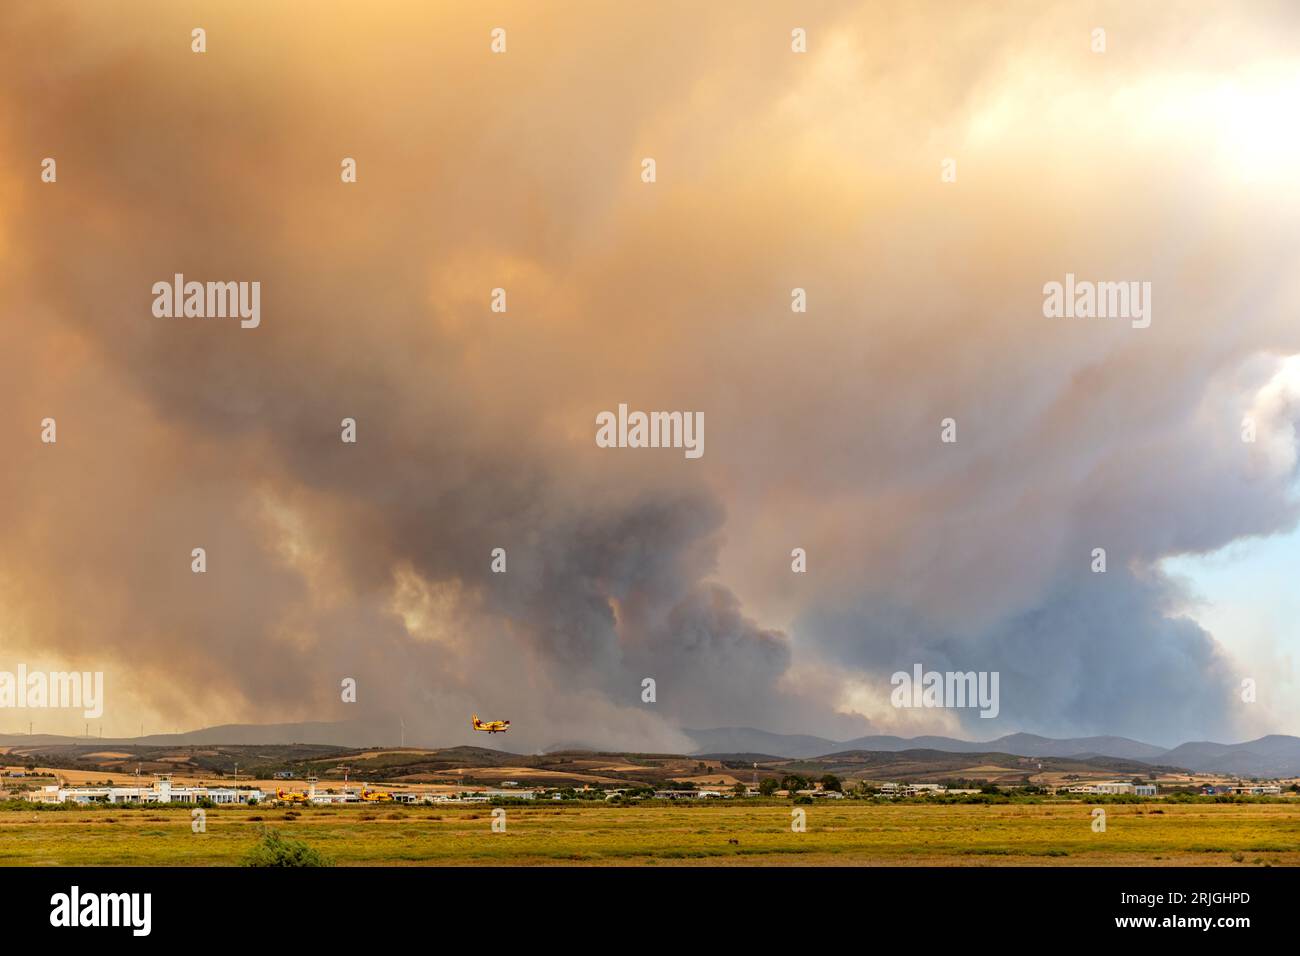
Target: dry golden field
714 833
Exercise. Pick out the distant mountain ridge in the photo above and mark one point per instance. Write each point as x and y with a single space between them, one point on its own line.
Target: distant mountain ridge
1277 755
340 733
735 739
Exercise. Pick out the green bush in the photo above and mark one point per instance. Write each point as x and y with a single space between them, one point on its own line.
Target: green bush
277 850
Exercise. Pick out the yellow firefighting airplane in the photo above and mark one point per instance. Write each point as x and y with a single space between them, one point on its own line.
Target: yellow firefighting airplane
491 726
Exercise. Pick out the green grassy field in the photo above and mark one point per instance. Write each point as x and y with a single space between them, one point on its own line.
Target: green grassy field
849 833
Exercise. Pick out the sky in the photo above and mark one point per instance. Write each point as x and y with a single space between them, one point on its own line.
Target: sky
922 172
1245 595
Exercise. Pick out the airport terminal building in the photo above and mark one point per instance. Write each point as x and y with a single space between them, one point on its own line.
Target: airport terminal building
161 792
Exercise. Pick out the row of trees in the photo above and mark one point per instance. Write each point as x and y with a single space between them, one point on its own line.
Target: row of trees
793 782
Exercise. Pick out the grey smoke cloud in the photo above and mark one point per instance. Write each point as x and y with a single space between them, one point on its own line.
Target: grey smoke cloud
475 430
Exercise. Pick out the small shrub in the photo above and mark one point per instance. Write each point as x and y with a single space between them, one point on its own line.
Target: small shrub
276 850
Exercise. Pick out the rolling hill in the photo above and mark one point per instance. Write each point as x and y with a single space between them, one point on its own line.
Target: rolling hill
736 739
1277 755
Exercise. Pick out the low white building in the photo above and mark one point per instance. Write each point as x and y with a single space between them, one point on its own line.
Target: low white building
161 792
327 798
1116 787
